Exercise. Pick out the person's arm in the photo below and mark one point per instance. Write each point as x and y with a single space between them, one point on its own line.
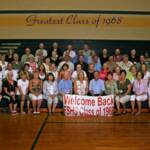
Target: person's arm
87 89
129 89
91 88
44 88
60 89
75 87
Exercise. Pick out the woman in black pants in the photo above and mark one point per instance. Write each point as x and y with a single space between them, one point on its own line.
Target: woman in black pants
10 89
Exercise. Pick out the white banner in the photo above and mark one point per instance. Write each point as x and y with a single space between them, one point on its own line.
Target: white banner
77 105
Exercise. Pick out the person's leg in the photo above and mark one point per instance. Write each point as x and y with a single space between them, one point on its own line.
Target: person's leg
149 102
28 104
49 105
139 104
22 97
55 102
39 102
11 107
34 105
118 104
140 99
132 99
123 101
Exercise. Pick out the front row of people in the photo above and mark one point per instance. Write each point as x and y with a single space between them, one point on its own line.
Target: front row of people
36 90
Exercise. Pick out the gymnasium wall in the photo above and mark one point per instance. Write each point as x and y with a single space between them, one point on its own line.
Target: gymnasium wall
106 23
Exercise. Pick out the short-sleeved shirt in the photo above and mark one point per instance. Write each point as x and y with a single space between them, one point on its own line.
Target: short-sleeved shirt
123 87
10 87
23 85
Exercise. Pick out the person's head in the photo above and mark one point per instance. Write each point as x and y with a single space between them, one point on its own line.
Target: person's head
69 47
67 58
55 45
42 68
31 59
91 67
133 52
3 57
10 51
27 51
96 75
117 70
53 66
50 77
81 75
144 67
133 69
117 51
16 57
104 51
26 67
41 45
78 67
142 58
146 55
65 67
109 76
66 75
23 75
47 60
86 47
10 75
81 58
123 74
105 66
9 66
36 75
111 58
139 75
95 58
125 58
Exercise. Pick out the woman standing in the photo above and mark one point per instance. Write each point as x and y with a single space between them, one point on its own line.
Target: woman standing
50 91
81 84
10 89
35 87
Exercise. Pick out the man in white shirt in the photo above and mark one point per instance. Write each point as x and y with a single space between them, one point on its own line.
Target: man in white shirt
66 61
70 52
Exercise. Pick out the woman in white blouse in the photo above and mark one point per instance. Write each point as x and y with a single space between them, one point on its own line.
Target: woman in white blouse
50 92
81 84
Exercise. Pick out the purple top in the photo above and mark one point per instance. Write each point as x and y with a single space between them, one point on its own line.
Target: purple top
140 87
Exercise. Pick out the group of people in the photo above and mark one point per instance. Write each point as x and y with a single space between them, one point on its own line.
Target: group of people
50 74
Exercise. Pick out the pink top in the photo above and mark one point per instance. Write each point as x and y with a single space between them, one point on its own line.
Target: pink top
140 87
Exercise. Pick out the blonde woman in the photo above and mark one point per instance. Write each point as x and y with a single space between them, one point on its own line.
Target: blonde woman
23 85
81 84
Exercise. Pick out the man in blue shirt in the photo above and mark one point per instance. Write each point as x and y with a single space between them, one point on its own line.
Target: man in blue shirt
96 86
65 86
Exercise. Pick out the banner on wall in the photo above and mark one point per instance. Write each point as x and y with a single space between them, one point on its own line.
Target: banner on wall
77 105
74 26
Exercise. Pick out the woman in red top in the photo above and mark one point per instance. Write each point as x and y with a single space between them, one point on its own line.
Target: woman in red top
103 73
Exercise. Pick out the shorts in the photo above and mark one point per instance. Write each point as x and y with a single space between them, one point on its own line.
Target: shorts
10 100
139 98
35 98
123 99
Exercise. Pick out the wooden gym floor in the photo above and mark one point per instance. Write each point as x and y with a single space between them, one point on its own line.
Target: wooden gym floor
43 132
